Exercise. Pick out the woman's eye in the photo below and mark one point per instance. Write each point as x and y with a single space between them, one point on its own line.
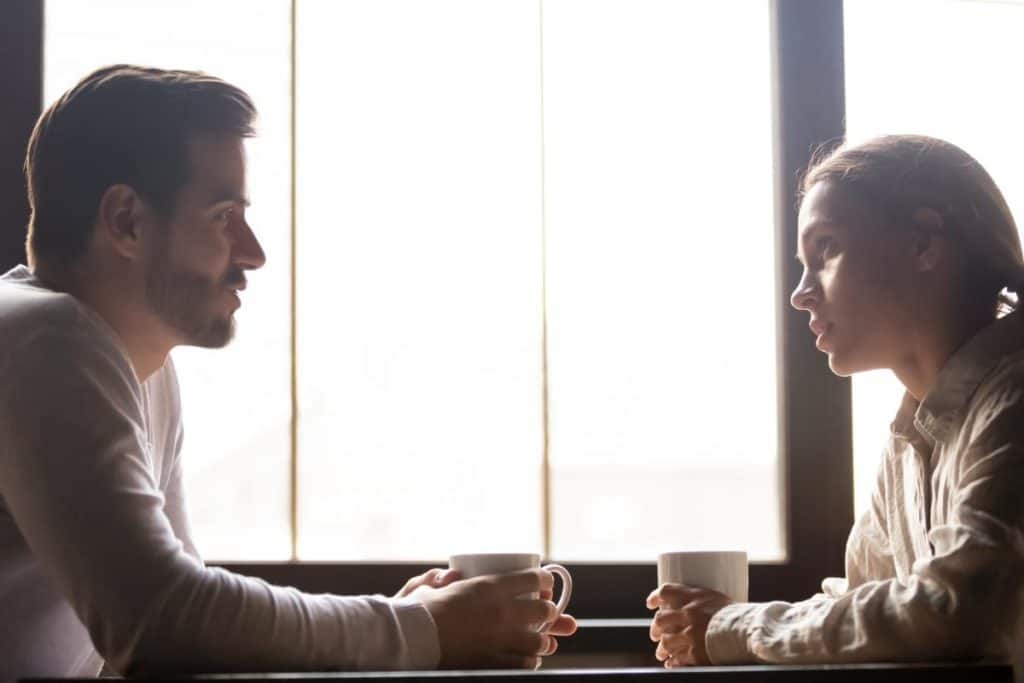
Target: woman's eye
826 246
225 214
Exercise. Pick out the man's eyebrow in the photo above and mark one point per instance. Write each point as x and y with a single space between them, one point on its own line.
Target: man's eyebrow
230 197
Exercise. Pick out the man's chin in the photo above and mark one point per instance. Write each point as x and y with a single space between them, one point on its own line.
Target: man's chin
215 335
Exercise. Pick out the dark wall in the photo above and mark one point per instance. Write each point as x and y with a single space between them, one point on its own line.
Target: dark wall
21 96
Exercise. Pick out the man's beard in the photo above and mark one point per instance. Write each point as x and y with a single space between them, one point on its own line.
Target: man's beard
181 299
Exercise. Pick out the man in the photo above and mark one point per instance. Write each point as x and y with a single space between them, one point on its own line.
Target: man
138 243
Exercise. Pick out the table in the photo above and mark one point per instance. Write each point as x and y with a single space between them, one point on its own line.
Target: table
931 672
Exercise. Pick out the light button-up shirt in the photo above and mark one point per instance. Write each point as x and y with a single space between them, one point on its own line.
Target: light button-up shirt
935 567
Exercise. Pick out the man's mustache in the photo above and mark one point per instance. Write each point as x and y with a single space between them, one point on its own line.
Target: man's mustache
234 276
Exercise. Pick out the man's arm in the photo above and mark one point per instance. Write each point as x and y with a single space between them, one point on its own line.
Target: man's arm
75 476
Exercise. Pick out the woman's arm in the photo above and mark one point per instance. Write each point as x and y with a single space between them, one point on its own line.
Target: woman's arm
962 601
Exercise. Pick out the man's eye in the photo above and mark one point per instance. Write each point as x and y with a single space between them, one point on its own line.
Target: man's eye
825 246
225 214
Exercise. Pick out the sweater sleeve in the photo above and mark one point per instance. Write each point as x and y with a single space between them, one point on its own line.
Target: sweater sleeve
77 476
961 602
169 402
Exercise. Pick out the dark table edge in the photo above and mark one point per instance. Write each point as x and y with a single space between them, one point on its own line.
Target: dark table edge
908 671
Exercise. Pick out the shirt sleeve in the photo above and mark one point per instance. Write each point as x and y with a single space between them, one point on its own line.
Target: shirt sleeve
961 602
75 474
174 488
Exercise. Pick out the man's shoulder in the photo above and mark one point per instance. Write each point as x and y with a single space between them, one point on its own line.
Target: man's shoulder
41 326
26 308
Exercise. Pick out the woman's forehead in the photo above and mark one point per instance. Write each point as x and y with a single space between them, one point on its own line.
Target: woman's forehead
826 203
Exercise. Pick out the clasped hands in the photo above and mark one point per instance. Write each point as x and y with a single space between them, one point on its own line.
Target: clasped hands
487 621
681 623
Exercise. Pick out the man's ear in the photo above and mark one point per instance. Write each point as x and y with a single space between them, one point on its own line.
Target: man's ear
928 243
120 218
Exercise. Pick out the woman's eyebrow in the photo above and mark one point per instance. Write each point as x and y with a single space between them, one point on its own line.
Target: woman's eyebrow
807 236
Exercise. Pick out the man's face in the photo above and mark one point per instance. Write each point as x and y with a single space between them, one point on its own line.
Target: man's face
855 283
196 262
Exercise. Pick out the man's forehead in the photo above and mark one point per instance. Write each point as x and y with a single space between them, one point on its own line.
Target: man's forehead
217 164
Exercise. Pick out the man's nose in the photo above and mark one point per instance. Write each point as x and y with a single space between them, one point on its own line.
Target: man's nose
249 253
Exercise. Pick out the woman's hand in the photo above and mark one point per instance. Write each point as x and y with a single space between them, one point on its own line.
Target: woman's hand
681 623
432 578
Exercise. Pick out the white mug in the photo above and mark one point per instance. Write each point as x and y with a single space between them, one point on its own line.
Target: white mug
724 571
481 564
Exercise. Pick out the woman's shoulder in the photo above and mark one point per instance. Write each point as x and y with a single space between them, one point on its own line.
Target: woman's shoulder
998 402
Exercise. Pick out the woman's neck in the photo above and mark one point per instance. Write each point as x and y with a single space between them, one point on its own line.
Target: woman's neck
931 350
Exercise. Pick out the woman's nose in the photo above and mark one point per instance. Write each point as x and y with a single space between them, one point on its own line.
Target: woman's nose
805 296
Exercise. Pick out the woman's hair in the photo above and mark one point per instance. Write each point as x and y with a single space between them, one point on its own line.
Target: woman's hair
898 174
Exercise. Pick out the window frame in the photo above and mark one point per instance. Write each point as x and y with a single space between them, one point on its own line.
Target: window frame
814 407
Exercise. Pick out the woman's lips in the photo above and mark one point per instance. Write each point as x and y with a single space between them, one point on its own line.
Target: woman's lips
823 342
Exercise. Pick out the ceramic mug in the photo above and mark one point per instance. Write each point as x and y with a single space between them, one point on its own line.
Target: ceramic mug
724 571
482 564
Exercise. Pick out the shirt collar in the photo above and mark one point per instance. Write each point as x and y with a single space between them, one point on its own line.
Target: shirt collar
943 408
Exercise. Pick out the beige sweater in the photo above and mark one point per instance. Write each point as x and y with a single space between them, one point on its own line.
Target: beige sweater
96 558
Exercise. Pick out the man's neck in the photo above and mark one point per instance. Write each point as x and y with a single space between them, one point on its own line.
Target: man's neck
142 334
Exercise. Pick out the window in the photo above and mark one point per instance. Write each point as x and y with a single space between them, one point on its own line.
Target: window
236 402
945 69
534 141
517 263
661 288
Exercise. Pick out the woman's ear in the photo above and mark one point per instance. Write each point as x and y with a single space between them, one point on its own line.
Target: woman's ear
119 217
927 238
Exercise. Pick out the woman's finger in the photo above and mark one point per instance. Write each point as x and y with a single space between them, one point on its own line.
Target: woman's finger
678 662
668 621
677 641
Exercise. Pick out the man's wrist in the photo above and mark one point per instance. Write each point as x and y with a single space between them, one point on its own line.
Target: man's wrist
420 632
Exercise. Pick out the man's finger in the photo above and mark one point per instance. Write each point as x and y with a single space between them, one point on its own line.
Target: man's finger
446 576
552 647
532 611
518 641
522 582
564 625
654 599
513 661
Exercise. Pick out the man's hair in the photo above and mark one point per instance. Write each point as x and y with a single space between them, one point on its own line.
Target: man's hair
121 124
894 175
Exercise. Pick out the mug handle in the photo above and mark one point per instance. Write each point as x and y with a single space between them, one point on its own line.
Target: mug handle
563 599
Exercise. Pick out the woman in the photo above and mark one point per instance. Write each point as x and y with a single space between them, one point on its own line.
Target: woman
908 250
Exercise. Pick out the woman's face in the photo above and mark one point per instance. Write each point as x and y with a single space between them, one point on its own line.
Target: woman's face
856 282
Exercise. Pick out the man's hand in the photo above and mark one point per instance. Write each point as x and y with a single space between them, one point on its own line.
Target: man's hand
681 623
432 578
485 622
